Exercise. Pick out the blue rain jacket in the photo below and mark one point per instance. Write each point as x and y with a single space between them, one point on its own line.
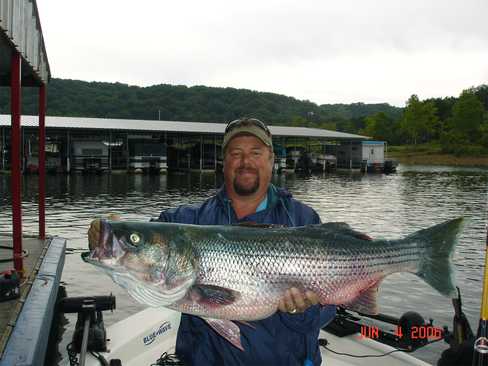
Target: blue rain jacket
282 339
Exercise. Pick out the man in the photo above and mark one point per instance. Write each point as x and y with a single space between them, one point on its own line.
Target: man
289 337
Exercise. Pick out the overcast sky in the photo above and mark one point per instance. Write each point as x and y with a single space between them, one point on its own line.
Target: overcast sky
325 51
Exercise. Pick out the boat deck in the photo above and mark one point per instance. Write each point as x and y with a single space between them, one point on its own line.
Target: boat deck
25 322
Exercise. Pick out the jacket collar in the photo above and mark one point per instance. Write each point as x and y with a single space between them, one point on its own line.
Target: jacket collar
275 196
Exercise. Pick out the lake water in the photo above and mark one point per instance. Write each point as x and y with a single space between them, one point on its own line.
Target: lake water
384 206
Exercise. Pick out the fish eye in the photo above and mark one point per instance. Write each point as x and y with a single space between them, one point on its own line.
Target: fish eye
135 238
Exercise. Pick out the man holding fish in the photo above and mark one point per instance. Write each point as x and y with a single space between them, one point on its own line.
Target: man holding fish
288 337
249 294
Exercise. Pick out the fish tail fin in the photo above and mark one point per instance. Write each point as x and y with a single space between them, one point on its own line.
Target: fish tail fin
435 265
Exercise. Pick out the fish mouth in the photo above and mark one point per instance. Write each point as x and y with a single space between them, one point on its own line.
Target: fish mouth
107 265
108 250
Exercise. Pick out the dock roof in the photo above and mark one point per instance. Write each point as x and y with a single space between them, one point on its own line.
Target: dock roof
20 30
171 126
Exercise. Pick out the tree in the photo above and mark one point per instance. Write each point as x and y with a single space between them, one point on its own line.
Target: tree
482 94
379 126
298 121
467 116
484 132
419 119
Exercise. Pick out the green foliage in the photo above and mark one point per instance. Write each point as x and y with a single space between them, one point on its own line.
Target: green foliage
419 120
379 126
298 121
331 126
358 110
444 111
383 128
467 129
482 93
467 116
484 133
181 103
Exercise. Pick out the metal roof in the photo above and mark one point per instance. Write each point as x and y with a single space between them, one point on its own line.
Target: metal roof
170 126
20 30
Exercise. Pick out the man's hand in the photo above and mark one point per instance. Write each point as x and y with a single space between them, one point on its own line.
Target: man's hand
94 230
296 301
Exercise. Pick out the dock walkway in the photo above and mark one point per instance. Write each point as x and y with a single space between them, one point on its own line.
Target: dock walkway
25 322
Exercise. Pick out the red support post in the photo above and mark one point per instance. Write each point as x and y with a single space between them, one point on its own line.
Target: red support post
16 179
42 162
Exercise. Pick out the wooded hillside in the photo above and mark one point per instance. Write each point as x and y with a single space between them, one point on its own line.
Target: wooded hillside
459 125
181 103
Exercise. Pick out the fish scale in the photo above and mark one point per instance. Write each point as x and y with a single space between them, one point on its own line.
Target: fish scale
265 270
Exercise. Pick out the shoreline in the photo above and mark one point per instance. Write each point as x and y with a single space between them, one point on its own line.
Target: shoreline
423 158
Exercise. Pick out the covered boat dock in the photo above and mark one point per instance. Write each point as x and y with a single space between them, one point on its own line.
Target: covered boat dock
78 144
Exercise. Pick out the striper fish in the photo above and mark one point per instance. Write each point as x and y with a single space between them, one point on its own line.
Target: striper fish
225 273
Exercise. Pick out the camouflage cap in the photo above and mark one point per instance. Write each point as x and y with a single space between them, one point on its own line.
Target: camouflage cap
249 126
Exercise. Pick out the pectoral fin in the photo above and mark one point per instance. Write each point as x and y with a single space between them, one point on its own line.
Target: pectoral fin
366 302
213 295
226 329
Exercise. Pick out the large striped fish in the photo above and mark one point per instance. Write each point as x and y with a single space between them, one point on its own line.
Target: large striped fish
225 273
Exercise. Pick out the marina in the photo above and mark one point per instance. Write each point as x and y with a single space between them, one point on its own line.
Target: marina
75 144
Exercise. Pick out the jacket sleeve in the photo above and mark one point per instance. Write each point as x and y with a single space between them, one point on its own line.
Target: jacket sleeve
316 316
303 214
327 314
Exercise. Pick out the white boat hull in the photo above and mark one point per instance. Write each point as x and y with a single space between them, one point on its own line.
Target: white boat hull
143 337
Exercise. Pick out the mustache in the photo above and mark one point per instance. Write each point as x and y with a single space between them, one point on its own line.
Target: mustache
246 170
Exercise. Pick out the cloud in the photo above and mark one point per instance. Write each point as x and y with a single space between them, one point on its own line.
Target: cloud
327 52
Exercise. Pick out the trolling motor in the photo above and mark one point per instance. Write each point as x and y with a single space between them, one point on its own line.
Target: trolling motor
90 334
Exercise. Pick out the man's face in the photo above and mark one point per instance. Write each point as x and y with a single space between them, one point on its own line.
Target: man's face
248 165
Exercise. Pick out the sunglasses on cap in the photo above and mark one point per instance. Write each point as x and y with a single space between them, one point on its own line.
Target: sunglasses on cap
247 122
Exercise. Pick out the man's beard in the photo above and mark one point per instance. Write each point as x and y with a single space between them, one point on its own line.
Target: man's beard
243 191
